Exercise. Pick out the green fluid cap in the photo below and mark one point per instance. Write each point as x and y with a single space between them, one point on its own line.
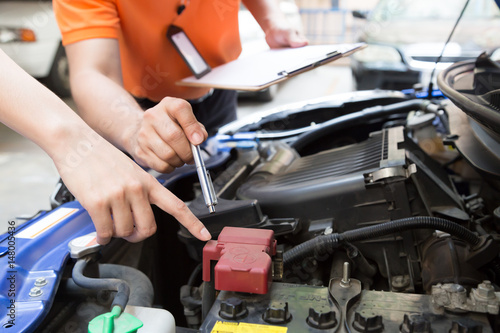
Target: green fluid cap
114 322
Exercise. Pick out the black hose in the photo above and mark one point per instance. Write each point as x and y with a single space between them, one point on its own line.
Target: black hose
356 118
141 288
326 243
194 275
121 287
359 261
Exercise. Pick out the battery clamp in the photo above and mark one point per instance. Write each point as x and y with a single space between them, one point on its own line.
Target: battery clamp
243 257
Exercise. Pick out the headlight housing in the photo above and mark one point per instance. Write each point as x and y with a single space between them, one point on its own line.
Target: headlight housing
9 35
378 53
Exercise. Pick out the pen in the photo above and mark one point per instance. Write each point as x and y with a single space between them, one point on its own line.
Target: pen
205 181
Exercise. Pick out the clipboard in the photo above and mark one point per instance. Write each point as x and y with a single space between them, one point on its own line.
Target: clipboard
263 69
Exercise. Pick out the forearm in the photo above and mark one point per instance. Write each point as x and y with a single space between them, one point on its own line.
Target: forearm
266 12
97 88
106 106
279 32
158 137
33 111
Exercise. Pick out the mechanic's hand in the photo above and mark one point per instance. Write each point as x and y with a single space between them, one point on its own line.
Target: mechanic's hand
283 36
117 194
162 139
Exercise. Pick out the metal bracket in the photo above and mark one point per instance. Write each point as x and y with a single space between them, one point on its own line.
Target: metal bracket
482 299
390 174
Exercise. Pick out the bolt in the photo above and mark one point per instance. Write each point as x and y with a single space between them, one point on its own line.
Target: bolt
40 282
486 290
35 292
346 281
399 282
487 284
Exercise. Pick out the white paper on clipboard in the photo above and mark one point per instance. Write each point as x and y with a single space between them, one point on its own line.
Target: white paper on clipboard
266 68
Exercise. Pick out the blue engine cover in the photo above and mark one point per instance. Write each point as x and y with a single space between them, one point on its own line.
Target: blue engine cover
36 249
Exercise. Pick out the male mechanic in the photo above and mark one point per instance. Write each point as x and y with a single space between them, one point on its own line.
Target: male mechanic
120 58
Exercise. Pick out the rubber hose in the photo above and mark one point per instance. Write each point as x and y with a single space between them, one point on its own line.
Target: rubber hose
141 288
325 243
355 118
120 286
359 260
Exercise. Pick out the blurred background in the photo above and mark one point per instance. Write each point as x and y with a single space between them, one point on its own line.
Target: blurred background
404 40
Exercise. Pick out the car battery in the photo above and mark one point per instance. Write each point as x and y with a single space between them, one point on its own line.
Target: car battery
293 308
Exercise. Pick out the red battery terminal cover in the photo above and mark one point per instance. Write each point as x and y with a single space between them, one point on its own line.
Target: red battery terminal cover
244 260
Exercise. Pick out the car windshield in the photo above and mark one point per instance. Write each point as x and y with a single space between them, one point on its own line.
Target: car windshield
398 10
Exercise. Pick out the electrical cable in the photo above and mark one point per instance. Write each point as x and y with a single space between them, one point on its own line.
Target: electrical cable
357 118
194 275
326 244
438 60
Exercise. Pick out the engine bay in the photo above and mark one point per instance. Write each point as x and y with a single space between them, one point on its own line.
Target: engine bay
373 211
392 192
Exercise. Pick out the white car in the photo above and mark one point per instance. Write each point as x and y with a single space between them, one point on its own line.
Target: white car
30 36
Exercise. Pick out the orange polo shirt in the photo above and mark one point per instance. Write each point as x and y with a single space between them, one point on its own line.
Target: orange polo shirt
150 63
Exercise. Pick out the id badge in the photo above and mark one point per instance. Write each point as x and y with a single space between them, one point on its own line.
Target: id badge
188 51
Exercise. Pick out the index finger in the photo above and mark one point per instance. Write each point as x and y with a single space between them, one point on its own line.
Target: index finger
169 203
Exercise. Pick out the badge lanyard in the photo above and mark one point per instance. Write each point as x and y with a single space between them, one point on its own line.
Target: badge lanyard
186 48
